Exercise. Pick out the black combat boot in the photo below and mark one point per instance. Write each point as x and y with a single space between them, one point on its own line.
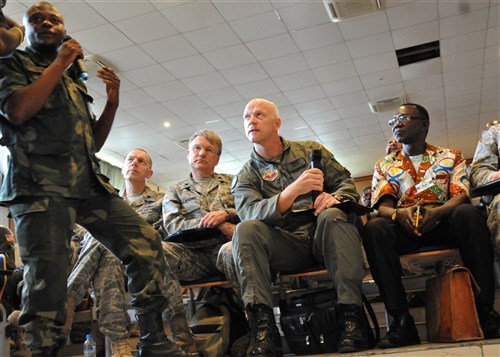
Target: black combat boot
402 332
266 339
355 334
181 332
153 342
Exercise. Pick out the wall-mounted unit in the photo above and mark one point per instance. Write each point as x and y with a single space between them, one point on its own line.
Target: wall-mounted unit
339 10
386 105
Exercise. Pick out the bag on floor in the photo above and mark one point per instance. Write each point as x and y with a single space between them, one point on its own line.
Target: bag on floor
309 322
450 310
218 323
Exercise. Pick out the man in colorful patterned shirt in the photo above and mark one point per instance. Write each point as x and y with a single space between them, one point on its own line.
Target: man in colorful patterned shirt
485 169
430 180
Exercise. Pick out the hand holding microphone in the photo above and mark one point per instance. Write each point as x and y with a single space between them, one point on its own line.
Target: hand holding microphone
315 164
79 64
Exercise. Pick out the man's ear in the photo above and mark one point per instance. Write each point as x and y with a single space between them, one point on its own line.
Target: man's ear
150 174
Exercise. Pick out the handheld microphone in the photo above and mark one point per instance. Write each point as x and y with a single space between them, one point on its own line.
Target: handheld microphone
79 65
315 164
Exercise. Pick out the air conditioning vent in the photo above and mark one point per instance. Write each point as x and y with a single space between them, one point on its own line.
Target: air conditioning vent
386 105
418 53
344 9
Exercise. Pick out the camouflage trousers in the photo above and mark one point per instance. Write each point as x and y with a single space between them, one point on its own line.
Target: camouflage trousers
43 229
191 264
99 266
494 222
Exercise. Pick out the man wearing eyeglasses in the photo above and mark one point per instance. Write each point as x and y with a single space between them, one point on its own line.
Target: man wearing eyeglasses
202 201
431 180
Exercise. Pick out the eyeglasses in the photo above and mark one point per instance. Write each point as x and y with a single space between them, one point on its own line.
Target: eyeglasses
403 118
197 149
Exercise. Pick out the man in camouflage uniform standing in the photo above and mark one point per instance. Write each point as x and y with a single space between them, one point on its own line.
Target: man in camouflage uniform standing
203 200
98 265
485 168
54 180
272 193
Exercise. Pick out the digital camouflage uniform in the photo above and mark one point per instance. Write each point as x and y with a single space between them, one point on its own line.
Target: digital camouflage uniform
53 181
99 266
485 163
267 241
183 208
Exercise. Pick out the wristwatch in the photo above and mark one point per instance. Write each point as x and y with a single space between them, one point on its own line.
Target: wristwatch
394 215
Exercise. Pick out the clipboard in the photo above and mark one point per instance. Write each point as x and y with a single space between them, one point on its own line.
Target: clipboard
193 235
490 188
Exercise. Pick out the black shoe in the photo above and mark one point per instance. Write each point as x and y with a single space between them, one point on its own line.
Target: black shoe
355 334
266 338
402 332
490 324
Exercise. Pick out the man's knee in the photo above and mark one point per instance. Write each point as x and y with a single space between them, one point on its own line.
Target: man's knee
246 230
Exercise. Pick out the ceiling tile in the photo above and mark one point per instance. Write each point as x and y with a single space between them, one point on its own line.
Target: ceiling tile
304 14
244 74
362 26
312 107
230 110
317 36
412 14
113 40
257 89
462 89
193 16
305 94
463 75
116 10
423 83
461 24
295 80
462 43
258 26
421 69
135 98
184 104
200 116
284 65
342 86
327 55
188 66
148 76
236 9
492 36
354 111
205 82
220 96
375 63
146 27
328 126
133 131
335 72
322 118
389 91
123 118
272 47
161 50
454 8
229 57
349 99
491 54
371 45
462 60
170 90
416 35
129 58
212 38
381 78
78 16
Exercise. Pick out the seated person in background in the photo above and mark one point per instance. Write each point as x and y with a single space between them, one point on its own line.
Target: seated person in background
11 36
392 145
97 265
485 168
203 200
433 178
276 181
366 196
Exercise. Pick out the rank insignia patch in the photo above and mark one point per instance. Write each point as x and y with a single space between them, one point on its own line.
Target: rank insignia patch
269 173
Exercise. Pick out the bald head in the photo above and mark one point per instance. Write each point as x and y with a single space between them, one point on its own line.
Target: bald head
44 25
270 106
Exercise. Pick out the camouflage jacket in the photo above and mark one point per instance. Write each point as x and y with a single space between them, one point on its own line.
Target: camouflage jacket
487 157
53 153
260 182
184 206
149 207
